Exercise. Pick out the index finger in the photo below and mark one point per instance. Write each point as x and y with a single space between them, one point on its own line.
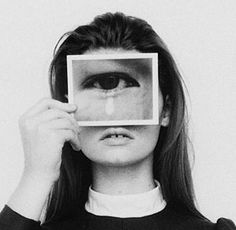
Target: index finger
49 103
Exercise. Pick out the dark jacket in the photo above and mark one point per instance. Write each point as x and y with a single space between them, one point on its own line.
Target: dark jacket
167 219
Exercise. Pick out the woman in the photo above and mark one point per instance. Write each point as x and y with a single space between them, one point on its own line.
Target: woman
87 184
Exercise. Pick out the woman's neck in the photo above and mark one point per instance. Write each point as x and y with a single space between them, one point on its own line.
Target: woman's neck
120 180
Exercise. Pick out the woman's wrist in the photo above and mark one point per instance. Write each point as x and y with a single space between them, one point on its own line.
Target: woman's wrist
30 195
45 177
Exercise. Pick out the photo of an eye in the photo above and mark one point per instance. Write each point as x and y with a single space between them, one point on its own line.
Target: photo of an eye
110 81
114 89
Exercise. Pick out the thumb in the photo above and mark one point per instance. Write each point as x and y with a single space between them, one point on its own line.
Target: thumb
75 142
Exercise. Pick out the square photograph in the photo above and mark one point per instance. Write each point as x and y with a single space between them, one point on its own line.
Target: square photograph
113 89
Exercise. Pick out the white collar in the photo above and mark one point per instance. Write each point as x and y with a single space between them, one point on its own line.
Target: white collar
132 205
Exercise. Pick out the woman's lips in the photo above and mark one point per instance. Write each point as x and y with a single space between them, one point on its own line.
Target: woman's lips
116 134
112 141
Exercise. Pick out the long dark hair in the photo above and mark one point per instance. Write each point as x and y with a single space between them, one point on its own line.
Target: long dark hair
171 165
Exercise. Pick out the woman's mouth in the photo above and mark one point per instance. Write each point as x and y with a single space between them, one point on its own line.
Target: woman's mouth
116 136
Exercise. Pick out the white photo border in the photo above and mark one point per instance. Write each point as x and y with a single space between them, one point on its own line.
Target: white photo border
155 84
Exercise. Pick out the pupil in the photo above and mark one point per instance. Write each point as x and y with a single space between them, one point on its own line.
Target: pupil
109 82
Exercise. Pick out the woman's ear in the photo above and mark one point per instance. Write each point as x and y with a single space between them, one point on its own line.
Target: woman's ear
165 114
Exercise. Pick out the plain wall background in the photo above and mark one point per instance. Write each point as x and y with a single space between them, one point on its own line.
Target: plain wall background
200 34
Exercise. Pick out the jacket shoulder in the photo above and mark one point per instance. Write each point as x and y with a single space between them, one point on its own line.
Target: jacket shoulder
184 220
221 224
225 224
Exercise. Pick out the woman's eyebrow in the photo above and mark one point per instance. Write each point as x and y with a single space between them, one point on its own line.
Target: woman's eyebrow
141 66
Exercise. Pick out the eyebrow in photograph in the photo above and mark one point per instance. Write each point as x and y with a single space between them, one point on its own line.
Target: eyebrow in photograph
141 66
109 80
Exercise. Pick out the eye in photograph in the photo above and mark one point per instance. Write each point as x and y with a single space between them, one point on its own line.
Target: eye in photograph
110 81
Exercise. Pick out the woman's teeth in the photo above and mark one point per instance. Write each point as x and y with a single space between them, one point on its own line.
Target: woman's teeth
117 139
116 136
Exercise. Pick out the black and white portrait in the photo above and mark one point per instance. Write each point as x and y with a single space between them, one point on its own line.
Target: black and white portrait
117 115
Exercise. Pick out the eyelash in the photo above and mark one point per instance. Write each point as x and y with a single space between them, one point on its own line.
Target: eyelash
90 82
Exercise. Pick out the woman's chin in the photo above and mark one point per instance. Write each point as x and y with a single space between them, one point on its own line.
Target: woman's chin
116 156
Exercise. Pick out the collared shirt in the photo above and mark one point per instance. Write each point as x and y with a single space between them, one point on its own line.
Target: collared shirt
132 205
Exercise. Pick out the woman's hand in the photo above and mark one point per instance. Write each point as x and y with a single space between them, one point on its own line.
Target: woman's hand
44 129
